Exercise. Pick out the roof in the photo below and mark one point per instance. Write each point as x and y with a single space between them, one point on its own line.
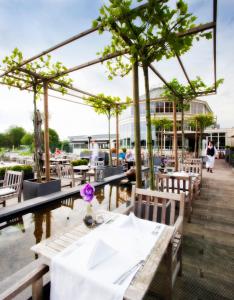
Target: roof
97 137
154 93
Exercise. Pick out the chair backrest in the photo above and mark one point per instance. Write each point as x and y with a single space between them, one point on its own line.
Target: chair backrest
155 205
65 171
99 163
191 168
13 179
174 184
193 160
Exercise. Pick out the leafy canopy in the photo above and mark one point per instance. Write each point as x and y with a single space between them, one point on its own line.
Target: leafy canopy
162 123
108 105
147 34
43 66
186 92
203 121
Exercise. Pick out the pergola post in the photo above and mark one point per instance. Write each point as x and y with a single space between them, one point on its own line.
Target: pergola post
137 124
46 131
117 133
175 149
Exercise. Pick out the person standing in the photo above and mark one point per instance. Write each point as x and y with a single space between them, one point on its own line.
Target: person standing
95 150
210 153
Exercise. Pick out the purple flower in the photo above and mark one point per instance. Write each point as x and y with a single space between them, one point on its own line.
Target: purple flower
87 192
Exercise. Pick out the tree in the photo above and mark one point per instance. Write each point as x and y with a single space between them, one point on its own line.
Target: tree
65 146
15 134
54 139
142 33
200 122
109 106
181 101
30 77
4 140
27 139
161 124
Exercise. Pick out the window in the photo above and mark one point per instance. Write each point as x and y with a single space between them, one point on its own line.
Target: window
159 107
168 107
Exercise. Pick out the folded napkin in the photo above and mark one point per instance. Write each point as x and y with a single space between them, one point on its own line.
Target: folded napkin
100 252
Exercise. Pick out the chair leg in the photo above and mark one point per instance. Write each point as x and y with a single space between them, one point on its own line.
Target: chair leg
168 275
180 259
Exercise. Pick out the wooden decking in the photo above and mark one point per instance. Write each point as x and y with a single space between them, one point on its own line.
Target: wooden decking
208 252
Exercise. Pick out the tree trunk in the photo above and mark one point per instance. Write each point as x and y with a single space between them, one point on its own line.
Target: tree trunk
36 132
200 143
161 141
109 135
182 129
46 132
149 127
175 148
137 137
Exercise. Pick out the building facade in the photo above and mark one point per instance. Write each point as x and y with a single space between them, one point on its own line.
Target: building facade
82 142
160 107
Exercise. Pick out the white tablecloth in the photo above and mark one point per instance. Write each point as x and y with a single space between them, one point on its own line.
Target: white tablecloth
89 268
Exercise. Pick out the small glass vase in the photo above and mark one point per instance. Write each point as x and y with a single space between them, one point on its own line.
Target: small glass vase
89 218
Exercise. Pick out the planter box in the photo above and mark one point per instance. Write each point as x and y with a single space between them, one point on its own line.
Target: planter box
33 189
110 171
28 176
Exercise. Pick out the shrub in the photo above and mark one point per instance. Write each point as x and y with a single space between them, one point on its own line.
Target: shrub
26 169
79 162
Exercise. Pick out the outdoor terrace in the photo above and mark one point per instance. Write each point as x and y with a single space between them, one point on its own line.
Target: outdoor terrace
208 246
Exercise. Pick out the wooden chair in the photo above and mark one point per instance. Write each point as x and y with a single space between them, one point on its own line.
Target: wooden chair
12 186
161 207
66 174
176 185
195 168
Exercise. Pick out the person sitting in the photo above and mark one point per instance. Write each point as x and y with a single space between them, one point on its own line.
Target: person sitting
129 158
122 155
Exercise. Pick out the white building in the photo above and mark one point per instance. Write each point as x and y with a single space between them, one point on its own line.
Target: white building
160 107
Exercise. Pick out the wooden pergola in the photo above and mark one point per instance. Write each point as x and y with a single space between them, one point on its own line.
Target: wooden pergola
45 80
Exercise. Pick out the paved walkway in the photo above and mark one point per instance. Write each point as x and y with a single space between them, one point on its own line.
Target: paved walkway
208 253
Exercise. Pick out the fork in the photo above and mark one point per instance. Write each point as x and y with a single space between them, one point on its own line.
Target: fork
156 229
121 279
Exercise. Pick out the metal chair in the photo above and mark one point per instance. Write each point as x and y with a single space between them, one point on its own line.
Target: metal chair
12 186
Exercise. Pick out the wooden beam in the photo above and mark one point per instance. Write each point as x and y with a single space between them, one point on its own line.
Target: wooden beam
137 134
197 29
117 134
163 80
66 42
214 41
57 46
46 132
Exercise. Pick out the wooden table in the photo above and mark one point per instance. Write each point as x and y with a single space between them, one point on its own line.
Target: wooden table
141 282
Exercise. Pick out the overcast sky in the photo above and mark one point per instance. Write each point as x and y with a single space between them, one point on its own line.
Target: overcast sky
34 25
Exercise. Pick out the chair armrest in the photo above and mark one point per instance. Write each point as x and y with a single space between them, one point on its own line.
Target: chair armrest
178 226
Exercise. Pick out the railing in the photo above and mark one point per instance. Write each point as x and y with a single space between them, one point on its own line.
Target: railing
34 278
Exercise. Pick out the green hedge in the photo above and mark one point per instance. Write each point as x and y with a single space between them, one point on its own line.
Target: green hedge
26 169
79 162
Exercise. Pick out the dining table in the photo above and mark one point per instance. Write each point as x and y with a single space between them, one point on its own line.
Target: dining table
145 275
